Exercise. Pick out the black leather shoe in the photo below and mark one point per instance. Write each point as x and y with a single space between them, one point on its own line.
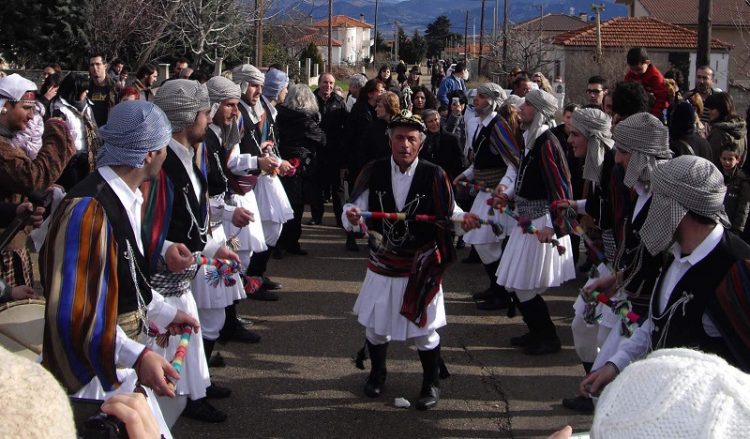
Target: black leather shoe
314 222
351 244
240 334
264 295
579 404
297 251
270 285
202 410
216 391
374 384
494 303
473 258
543 347
428 397
522 341
217 360
483 295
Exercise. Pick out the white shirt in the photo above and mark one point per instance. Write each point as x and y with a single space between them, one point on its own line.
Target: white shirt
638 344
400 184
160 312
186 156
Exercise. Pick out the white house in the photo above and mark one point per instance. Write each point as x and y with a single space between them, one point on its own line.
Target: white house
353 36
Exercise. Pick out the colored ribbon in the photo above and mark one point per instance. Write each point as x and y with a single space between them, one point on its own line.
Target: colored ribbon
179 355
475 186
622 308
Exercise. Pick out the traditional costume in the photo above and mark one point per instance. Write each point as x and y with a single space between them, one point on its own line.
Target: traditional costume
95 266
595 125
181 100
700 300
213 302
528 267
257 125
402 297
496 159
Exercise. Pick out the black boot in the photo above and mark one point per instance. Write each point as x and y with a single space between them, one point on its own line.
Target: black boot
202 410
430 392
214 390
496 297
547 341
233 330
530 337
376 379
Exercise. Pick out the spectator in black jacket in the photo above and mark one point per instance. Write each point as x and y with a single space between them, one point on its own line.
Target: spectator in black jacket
441 147
683 139
301 138
332 109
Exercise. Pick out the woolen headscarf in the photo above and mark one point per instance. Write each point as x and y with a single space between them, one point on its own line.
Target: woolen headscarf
647 140
276 80
133 129
219 90
684 184
675 393
494 93
182 100
595 125
247 74
546 106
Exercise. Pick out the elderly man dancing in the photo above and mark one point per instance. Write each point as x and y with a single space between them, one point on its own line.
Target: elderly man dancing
401 297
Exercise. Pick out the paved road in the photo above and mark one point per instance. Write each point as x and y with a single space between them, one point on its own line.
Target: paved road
300 380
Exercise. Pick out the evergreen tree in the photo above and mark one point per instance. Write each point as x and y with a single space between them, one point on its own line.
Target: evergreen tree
437 34
311 51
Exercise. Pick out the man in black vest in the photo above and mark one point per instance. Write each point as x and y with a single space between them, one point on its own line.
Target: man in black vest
109 255
700 298
186 104
404 184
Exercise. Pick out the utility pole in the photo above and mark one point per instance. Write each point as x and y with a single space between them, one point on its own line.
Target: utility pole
466 40
494 21
395 40
375 46
259 34
704 33
506 9
598 11
330 35
481 40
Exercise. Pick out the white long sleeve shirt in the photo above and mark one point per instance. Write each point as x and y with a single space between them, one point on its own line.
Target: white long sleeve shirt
160 312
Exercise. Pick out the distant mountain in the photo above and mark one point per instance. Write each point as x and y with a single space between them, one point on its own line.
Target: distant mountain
417 14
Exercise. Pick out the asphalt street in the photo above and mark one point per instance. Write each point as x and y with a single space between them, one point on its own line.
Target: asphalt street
300 380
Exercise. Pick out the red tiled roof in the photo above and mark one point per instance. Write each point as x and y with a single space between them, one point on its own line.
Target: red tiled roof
685 12
646 32
553 23
319 40
342 21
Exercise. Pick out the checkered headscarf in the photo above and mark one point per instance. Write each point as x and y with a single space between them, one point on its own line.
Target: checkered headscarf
685 184
494 93
595 125
546 106
182 100
647 141
247 74
219 90
133 129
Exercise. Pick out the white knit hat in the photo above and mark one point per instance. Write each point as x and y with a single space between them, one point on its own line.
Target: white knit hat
34 403
675 393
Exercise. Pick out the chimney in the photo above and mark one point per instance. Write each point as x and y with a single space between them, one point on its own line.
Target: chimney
584 16
362 18
572 11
